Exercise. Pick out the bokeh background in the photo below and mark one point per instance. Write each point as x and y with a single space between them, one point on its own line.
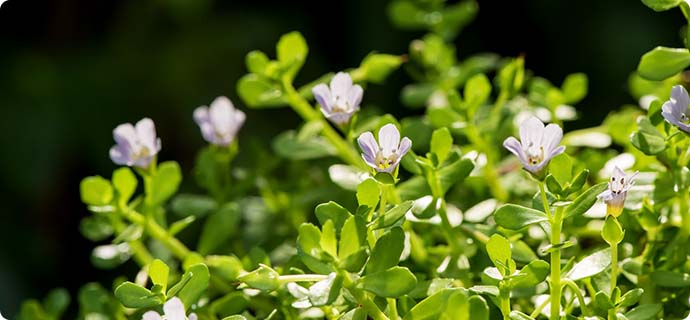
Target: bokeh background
71 70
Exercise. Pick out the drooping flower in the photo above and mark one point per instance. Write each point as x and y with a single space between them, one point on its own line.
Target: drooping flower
339 101
537 145
385 155
136 145
219 123
316 295
172 310
614 196
675 110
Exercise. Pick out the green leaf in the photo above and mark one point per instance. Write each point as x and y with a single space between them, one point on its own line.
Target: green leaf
458 308
591 265
368 193
132 295
671 279
291 51
561 168
355 314
531 274
515 217
661 5
185 205
441 143
647 139
289 145
230 304
180 225
166 181
309 240
56 302
352 237
553 185
95 228
219 228
131 233
479 309
517 315
432 307
644 312
377 66
477 91
158 272
257 62
454 173
32 310
662 63
612 232
259 92
630 298
328 240
416 95
585 200
391 283
392 216
227 268
387 251
574 88
263 278
125 183
499 252
193 283
96 191
332 211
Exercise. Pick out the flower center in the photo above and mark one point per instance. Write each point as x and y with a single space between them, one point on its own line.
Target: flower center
142 153
535 154
383 162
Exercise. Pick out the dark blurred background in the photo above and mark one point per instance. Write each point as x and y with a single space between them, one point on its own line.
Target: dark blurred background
71 70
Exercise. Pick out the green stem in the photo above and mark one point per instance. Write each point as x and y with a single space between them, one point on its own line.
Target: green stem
505 304
392 308
447 227
302 278
489 169
142 256
556 223
159 233
614 266
576 290
369 306
539 308
544 199
305 110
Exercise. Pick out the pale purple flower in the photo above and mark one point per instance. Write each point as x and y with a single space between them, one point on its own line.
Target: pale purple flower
614 196
537 145
136 145
385 155
675 110
219 123
341 100
1 317
173 310
316 295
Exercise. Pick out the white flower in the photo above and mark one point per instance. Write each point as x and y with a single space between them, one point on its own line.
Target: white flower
341 100
615 195
136 146
173 310
675 110
316 295
1 317
385 155
219 123
537 145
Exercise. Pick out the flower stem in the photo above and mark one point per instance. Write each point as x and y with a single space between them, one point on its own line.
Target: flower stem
305 110
392 308
614 266
576 290
505 304
302 278
159 233
556 223
544 199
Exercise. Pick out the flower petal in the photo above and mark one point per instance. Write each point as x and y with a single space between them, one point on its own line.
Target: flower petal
369 147
125 135
340 85
146 132
531 131
174 309
297 291
405 145
514 146
680 98
389 138
201 115
220 114
302 303
607 195
354 97
554 153
120 155
149 315
323 96
551 138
